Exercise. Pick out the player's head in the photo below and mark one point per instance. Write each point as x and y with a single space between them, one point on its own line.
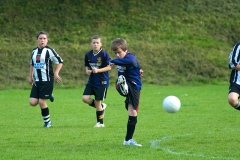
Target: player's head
42 39
96 43
119 47
41 32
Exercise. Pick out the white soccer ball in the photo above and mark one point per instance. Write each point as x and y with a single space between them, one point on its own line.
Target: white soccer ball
171 104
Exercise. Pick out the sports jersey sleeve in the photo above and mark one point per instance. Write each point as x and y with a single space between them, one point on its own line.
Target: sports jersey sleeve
31 61
128 60
234 56
86 63
55 57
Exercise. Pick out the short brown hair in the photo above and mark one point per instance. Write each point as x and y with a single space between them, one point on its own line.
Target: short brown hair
119 43
41 32
95 37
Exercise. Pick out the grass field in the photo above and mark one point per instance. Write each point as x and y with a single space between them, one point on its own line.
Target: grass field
206 127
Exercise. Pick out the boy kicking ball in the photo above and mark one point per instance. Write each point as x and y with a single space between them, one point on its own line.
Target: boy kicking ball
128 84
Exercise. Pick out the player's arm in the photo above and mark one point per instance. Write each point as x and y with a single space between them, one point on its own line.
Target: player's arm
30 79
57 78
108 66
237 67
234 58
141 72
99 70
88 70
127 61
56 59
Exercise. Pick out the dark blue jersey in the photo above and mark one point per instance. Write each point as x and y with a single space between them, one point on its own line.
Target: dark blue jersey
129 67
97 60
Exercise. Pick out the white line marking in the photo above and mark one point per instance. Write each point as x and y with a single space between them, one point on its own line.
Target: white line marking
156 144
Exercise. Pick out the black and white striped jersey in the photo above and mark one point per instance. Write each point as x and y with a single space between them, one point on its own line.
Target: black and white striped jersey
41 61
234 59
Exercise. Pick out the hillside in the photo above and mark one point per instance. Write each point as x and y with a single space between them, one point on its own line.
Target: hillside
183 42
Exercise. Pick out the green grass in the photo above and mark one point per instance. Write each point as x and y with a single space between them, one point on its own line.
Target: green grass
206 127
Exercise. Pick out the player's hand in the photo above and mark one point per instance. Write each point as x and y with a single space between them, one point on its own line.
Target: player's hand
57 78
88 71
141 72
94 70
30 80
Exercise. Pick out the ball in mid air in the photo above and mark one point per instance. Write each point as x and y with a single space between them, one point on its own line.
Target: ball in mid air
171 104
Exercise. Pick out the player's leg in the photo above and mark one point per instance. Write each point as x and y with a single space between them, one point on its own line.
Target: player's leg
86 97
131 124
132 105
46 91
99 114
99 97
233 96
34 96
45 113
233 99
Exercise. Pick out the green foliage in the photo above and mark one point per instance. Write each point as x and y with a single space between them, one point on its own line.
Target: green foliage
176 42
203 128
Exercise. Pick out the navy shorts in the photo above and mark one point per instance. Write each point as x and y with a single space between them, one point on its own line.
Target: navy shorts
99 93
234 88
42 90
133 97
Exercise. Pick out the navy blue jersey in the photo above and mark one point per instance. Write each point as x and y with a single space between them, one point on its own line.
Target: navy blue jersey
234 59
98 60
129 67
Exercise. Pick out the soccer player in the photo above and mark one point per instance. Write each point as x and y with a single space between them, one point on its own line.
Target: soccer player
234 88
128 84
97 65
42 76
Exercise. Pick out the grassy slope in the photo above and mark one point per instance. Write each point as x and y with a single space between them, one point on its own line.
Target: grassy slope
176 42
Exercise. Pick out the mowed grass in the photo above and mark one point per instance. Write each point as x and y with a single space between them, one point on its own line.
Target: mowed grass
206 127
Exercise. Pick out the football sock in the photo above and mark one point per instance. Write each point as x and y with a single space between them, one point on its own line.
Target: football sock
132 121
237 106
92 104
99 115
45 115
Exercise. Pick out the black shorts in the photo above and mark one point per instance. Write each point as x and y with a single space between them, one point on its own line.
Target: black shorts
133 97
234 88
99 93
42 90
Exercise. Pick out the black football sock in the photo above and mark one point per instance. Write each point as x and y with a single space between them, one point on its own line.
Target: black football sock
45 115
99 115
132 121
92 104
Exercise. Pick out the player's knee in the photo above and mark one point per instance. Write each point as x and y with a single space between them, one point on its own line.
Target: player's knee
86 99
232 101
33 103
